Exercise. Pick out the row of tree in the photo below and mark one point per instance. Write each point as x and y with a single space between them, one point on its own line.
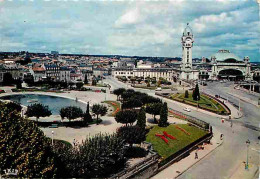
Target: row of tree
71 112
134 104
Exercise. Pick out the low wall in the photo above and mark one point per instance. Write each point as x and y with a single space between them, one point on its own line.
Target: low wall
143 169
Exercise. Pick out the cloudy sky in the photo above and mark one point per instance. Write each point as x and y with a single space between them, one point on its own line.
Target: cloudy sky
145 28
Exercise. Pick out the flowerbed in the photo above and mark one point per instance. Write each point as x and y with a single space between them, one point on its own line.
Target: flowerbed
115 105
2 91
183 130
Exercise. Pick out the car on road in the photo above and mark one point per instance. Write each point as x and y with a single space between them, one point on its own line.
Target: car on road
187 109
158 89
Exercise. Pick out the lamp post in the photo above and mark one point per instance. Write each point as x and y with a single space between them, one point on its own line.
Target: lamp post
247 144
239 105
197 103
52 133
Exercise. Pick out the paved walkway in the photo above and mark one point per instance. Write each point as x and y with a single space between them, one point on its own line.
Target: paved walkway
241 172
183 165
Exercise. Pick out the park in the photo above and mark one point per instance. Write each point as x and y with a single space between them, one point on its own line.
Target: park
82 120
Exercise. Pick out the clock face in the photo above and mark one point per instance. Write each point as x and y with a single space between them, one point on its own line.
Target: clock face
188 41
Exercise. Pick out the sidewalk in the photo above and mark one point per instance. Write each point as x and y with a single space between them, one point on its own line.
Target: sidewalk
183 165
241 172
245 99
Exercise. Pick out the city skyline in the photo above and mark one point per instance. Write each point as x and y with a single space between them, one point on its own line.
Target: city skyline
130 28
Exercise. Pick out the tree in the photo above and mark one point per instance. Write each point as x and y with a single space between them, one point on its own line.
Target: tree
23 146
139 80
132 103
98 156
8 79
196 93
154 109
126 117
99 109
79 85
71 112
119 92
13 106
18 84
87 118
131 134
163 115
186 94
86 79
94 82
38 110
133 79
141 118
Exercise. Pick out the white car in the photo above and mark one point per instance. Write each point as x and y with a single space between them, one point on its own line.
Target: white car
158 89
187 109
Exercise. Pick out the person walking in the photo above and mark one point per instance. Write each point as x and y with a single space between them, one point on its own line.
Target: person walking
196 154
221 136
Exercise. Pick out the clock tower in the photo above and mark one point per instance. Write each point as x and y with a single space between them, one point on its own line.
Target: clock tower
187 41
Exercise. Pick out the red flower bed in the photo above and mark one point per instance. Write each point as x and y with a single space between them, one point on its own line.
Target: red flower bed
183 130
179 115
162 137
168 135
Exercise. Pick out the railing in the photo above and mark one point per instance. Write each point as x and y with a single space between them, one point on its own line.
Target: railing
195 121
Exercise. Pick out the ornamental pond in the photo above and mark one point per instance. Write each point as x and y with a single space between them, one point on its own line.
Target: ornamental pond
55 103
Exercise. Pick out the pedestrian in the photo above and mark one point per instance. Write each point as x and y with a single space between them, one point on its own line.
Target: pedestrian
231 123
74 142
196 154
221 136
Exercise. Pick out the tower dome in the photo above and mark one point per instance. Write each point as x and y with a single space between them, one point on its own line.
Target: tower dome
187 30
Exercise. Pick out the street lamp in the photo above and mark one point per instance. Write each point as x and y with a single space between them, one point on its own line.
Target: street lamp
197 102
247 144
52 133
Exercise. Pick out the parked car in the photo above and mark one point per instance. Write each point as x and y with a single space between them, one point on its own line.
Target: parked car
187 109
158 89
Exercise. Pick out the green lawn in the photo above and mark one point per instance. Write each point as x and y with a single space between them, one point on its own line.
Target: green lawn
165 150
204 102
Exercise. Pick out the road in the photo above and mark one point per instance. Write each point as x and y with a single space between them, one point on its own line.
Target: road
221 163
